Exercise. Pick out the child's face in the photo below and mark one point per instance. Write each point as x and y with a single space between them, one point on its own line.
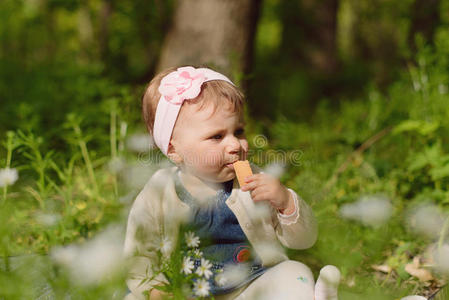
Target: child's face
207 144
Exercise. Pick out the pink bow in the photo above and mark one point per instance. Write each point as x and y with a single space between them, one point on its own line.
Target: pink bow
184 83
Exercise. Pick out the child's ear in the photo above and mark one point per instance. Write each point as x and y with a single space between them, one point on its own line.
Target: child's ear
173 155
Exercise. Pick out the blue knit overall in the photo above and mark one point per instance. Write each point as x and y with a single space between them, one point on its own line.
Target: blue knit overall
223 241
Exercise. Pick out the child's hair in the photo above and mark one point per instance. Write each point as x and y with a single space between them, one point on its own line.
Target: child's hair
211 92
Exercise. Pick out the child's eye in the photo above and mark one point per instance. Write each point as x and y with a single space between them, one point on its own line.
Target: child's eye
239 131
216 137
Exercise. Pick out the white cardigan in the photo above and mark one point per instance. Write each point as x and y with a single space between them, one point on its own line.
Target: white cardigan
157 213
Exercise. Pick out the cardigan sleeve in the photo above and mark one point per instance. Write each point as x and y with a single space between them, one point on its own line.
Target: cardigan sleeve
298 230
143 239
301 229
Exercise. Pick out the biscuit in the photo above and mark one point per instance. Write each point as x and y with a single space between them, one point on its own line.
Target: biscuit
242 170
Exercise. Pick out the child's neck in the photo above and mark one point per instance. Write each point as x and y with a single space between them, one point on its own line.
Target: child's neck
198 187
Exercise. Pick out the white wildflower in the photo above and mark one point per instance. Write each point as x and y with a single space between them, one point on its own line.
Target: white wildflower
201 288
372 210
137 175
192 240
187 265
8 176
197 253
275 169
65 255
165 246
116 165
221 279
441 259
442 89
426 220
204 268
271 251
260 211
47 219
414 297
234 274
95 260
140 142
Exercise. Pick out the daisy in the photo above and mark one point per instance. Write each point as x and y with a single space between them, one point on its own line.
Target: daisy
192 240
204 269
201 288
8 176
221 280
165 246
197 253
187 265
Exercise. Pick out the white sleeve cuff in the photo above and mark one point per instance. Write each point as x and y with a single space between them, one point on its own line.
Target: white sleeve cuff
293 217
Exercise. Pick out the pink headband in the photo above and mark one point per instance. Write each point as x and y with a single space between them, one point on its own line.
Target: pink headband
182 84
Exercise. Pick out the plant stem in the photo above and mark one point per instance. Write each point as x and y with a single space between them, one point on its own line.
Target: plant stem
113 141
443 233
9 147
86 158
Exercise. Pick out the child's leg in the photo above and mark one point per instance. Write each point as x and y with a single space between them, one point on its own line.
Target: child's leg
287 280
326 287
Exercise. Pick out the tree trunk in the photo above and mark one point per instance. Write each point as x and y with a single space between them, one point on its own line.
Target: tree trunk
103 32
218 33
310 29
425 17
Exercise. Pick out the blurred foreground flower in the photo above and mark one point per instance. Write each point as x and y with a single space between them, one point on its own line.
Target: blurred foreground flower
166 246
220 279
373 210
187 265
427 220
116 165
95 260
201 288
47 219
140 142
275 169
441 259
8 176
136 176
233 274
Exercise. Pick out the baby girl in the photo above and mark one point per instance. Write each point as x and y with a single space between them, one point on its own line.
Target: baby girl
195 116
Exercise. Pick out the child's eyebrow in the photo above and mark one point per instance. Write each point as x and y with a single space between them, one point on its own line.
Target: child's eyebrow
216 129
222 129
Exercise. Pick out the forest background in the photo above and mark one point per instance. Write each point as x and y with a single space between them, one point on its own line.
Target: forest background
352 93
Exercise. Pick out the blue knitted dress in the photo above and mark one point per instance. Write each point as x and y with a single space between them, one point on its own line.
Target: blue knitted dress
223 241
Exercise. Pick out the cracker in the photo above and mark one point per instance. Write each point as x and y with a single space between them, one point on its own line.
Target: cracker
242 170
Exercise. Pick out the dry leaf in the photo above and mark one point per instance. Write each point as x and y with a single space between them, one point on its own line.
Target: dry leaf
415 270
382 268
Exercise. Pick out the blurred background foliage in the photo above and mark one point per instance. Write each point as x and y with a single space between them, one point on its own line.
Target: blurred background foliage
360 87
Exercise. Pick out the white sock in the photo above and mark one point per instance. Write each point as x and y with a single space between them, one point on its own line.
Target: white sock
326 286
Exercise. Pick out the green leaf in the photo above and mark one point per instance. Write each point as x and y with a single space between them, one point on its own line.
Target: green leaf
421 127
440 172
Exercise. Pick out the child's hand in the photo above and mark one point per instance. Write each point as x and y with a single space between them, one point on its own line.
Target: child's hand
265 187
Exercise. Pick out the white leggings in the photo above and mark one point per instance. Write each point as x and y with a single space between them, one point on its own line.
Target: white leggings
286 280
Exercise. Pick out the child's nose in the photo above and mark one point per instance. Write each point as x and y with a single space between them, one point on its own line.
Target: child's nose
234 145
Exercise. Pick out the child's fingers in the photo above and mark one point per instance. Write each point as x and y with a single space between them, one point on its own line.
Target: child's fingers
252 177
259 194
249 186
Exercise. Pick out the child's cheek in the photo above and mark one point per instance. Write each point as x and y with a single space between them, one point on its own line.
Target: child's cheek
213 158
245 148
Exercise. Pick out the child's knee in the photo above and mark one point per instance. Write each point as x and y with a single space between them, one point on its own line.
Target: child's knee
298 271
294 279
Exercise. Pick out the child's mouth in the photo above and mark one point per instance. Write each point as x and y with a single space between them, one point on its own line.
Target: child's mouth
231 165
